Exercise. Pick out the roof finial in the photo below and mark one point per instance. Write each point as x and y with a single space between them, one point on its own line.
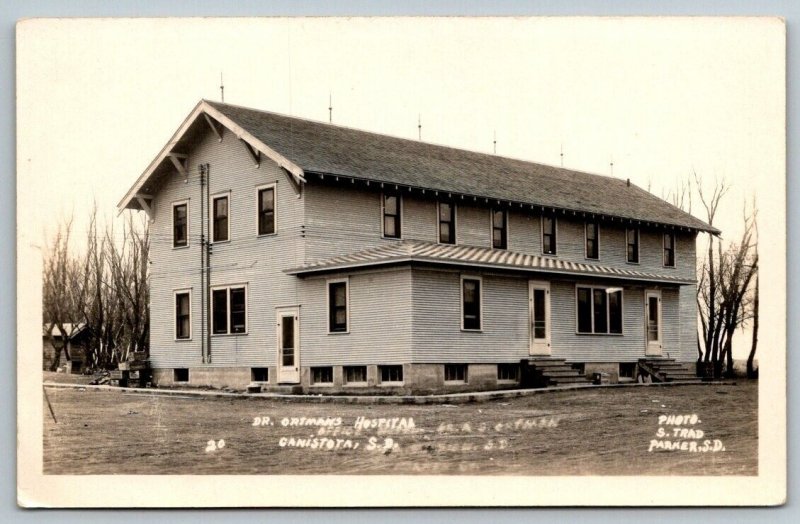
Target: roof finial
494 142
221 87
562 155
419 126
330 108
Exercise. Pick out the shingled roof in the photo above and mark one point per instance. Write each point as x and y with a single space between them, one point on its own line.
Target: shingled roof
323 148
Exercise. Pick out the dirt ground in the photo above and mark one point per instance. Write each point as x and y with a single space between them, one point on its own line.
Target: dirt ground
624 431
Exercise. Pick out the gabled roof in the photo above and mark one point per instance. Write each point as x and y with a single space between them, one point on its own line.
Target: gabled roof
416 251
304 146
68 327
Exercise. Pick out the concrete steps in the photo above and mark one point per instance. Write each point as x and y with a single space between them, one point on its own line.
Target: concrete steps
541 372
668 370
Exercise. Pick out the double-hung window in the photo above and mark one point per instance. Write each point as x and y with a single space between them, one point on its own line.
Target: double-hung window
266 210
471 303
391 215
183 315
592 240
499 229
669 249
447 223
229 310
220 211
180 224
599 310
548 235
337 306
632 236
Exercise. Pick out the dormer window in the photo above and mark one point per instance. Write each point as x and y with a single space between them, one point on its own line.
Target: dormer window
391 215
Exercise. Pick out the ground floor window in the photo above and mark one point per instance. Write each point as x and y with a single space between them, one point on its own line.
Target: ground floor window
229 310
180 375
508 372
323 375
455 373
599 310
259 374
390 374
471 303
355 374
183 318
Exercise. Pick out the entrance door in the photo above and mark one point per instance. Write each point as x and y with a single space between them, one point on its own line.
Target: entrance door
652 315
288 328
539 307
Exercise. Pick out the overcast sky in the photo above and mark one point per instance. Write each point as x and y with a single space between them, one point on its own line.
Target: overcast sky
661 98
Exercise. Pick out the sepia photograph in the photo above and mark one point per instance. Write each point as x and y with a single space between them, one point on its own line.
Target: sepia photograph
401 261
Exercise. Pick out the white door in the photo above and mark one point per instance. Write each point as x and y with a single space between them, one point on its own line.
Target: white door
539 307
652 318
288 329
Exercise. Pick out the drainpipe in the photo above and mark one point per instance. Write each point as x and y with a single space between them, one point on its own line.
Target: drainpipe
202 169
207 290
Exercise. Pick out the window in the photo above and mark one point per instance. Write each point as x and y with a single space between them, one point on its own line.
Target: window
180 375
337 306
499 229
183 315
355 374
180 225
390 374
266 210
391 215
259 374
447 223
632 236
548 235
471 303
220 219
599 310
229 310
455 373
508 373
669 249
592 240
322 375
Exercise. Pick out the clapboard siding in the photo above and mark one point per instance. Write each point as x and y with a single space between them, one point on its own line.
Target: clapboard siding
256 261
688 324
380 321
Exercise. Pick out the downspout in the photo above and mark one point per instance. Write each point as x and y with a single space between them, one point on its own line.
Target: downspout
202 169
207 290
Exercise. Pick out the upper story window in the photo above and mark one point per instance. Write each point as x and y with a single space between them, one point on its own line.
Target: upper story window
471 303
599 310
229 310
266 210
669 249
337 306
499 229
548 235
183 315
180 224
220 224
391 215
632 239
592 240
447 223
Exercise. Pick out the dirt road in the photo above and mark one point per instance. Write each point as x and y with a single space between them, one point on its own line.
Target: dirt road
687 430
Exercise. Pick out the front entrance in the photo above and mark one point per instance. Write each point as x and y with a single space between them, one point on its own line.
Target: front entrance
652 315
539 320
288 329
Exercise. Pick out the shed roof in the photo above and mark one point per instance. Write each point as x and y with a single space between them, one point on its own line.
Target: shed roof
417 251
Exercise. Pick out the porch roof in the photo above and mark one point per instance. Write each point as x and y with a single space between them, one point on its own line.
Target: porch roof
417 251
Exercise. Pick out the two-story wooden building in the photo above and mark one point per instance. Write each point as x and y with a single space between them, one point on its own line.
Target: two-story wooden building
292 252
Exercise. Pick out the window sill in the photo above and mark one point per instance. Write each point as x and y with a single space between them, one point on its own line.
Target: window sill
390 384
633 263
668 267
215 242
339 332
180 247
391 238
550 255
455 382
229 334
322 385
507 380
356 384
264 235
465 330
592 259
183 339
582 334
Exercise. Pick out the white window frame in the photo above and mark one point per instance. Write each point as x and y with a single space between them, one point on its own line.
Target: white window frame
480 301
172 223
466 374
638 246
455 224
508 380
541 236
359 384
381 382
228 288
608 310
274 187
175 293
213 198
328 283
586 240
674 249
320 384
491 228
400 199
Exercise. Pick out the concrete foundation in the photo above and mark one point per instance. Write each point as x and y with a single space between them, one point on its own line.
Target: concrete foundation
609 368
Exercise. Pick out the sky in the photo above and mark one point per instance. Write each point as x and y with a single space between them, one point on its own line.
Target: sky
660 98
